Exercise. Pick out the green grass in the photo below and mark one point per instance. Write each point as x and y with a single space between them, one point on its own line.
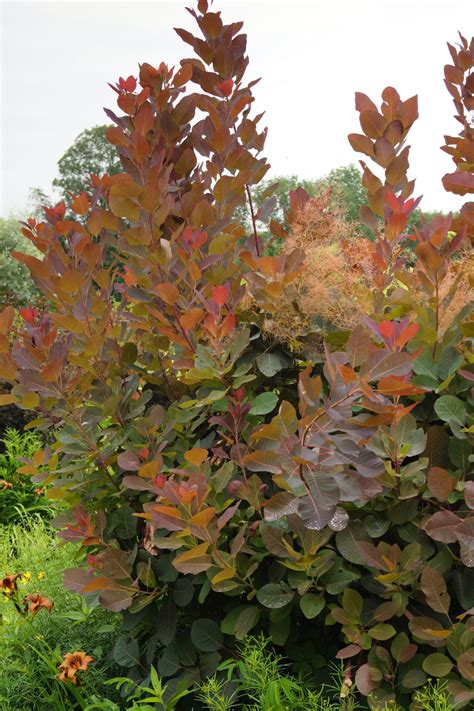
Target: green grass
20 496
30 649
259 681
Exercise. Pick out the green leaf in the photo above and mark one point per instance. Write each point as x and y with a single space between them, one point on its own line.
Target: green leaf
424 365
437 664
129 353
399 645
168 663
183 591
246 620
269 364
311 605
206 635
240 620
463 586
376 526
450 409
166 622
280 630
459 451
382 631
425 381
352 603
264 403
413 679
272 595
337 579
126 652
186 650
449 362
347 542
208 663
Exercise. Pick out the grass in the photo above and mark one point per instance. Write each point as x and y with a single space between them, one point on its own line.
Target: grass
259 681
31 648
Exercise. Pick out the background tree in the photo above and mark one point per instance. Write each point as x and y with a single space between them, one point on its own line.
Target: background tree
37 199
89 153
16 285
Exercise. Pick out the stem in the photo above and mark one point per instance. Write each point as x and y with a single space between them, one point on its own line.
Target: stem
437 318
254 222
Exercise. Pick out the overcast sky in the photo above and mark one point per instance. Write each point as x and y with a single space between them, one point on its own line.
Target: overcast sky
312 55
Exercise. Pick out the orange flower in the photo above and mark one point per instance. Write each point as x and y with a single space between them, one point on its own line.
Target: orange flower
8 584
35 602
72 663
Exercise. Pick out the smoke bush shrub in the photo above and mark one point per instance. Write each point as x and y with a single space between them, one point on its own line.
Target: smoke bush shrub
223 482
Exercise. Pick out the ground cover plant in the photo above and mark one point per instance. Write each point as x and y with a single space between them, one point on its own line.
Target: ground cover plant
50 623
20 497
224 479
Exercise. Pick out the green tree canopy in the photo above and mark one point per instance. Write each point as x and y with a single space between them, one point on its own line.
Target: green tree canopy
90 153
16 285
349 192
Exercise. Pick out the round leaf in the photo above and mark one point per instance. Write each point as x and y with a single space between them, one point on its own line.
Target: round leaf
246 620
311 605
264 403
126 652
272 595
206 635
450 409
437 664
269 364
382 631
183 591
414 678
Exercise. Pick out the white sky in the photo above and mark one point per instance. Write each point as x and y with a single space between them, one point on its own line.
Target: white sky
312 55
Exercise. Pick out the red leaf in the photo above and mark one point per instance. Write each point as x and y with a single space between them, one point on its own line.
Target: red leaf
363 680
226 87
442 526
129 84
406 335
350 651
440 483
220 294
29 314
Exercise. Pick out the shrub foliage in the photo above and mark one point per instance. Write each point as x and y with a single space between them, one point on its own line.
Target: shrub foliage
222 482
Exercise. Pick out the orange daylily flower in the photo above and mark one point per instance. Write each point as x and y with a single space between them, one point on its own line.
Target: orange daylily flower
9 583
35 602
72 663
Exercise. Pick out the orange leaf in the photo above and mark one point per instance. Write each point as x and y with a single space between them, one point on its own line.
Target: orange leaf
150 469
169 293
183 75
80 204
406 335
220 294
8 399
348 373
189 319
196 456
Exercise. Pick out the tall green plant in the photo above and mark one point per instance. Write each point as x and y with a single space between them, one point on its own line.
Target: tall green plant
20 497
